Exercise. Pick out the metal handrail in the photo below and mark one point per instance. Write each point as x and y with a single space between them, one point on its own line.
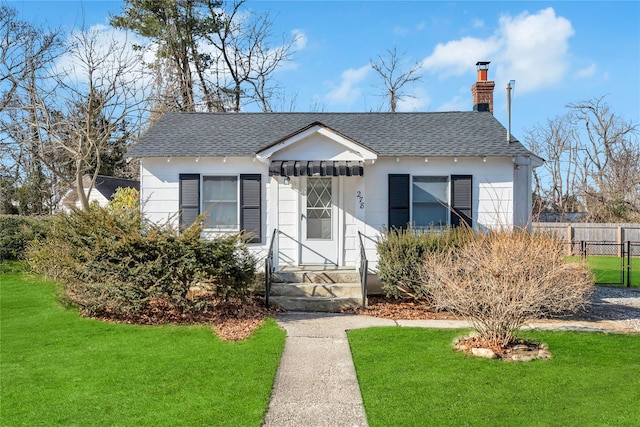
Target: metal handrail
364 265
268 268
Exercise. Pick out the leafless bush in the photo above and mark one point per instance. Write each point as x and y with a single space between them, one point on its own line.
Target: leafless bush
500 280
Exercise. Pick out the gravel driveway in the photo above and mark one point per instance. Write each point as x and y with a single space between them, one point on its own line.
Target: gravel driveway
617 304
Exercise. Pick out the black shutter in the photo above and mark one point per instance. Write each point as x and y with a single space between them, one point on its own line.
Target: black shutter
251 206
461 200
398 201
189 199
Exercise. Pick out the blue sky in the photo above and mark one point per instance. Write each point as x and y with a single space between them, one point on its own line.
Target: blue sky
558 52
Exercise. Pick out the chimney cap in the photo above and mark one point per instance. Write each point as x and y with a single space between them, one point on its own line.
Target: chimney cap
483 65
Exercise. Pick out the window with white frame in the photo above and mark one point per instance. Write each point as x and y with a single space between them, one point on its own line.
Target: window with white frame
426 201
232 202
220 201
429 201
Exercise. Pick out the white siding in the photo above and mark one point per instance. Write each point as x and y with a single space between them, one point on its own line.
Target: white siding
492 190
288 221
350 224
159 180
522 192
492 204
71 199
316 147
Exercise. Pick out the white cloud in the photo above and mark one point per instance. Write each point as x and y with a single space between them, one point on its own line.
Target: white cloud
417 100
477 23
348 90
457 103
456 57
300 39
536 49
107 47
530 48
587 71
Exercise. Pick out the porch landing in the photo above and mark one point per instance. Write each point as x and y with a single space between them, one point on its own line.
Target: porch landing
316 288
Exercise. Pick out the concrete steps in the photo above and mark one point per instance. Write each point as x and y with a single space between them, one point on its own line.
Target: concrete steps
323 290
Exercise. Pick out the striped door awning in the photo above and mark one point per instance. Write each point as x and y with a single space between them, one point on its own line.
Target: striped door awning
315 168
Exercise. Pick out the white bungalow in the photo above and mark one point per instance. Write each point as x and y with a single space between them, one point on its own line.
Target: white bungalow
315 185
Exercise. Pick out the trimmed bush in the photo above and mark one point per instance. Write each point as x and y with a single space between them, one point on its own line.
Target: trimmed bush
16 232
401 253
498 281
112 267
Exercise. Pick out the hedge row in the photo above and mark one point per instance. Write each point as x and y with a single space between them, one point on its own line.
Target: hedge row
17 231
113 264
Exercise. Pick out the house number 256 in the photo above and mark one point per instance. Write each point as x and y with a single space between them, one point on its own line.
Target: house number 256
360 199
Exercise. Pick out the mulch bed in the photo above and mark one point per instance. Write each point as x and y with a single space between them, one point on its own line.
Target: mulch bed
231 320
236 320
403 309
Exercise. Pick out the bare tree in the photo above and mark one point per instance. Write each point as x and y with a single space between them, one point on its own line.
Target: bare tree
558 181
25 54
393 77
611 185
592 163
220 54
103 98
23 48
245 60
70 119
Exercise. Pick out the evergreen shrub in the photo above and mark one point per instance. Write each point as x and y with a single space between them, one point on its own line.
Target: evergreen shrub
16 232
402 251
114 264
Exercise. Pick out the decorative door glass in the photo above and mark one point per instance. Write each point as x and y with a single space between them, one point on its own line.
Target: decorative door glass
319 208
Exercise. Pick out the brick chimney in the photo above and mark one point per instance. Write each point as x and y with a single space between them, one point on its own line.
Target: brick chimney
482 90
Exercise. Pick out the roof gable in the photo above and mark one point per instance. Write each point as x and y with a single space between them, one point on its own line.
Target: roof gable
317 142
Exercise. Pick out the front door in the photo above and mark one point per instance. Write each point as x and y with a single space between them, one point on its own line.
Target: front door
318 222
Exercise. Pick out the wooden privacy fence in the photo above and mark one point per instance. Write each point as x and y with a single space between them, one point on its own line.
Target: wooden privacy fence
572 232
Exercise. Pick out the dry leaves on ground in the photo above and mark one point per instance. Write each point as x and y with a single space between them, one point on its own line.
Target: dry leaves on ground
404 309
231 320
237 320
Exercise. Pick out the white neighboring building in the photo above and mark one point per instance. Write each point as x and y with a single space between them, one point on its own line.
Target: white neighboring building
320 178
102 193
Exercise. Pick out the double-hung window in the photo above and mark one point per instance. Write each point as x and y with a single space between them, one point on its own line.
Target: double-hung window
430 207
220 201
430 201
229 202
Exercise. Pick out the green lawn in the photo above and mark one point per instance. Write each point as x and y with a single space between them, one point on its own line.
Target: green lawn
60 369
412 377
607 269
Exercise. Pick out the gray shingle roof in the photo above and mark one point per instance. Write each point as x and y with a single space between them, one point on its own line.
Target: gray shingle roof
107 185
469 133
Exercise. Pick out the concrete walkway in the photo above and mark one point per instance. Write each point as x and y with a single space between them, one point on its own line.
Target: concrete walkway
316 382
